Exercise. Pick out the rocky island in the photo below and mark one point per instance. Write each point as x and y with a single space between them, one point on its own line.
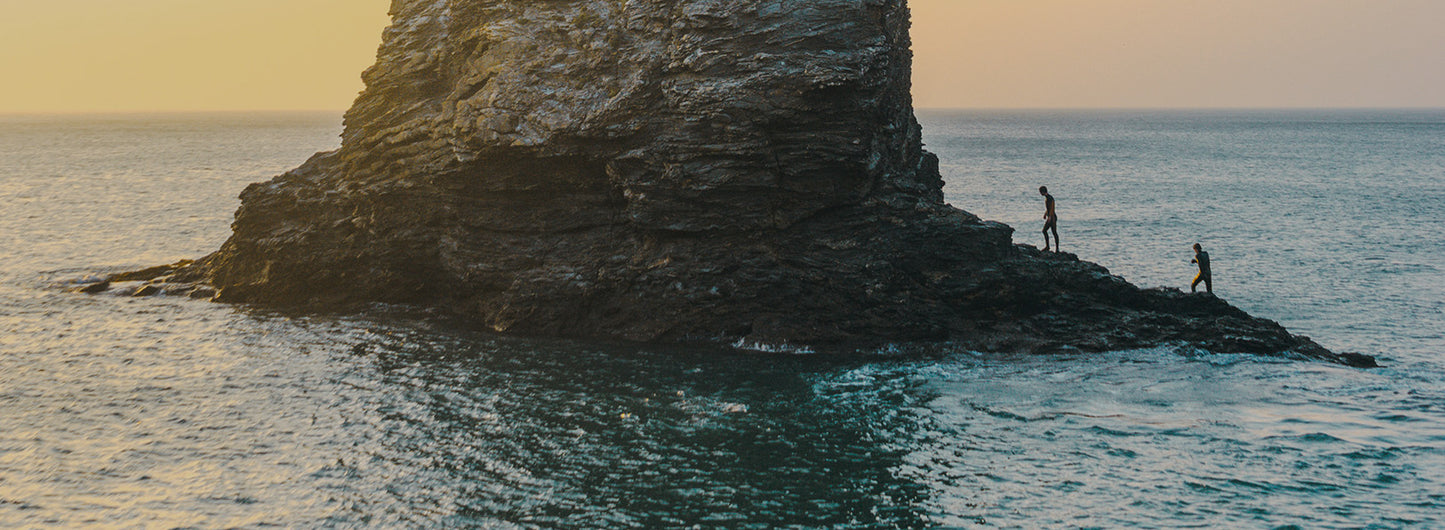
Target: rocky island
672 170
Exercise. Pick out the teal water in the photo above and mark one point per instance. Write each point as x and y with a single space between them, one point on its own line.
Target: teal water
166 413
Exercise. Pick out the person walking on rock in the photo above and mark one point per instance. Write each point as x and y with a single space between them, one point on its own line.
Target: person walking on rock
1202 258
1051 219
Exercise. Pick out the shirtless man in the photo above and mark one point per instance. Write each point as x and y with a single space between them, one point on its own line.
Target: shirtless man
1202 258
1051 219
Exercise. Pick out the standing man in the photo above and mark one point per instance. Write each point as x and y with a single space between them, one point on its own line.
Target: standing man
1051 219
1202 258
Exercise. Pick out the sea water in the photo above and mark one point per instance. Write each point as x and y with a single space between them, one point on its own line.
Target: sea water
169 412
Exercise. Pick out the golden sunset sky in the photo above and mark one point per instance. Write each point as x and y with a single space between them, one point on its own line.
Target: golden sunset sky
162 55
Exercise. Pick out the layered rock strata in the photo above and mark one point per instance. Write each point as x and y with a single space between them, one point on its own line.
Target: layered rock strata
673 170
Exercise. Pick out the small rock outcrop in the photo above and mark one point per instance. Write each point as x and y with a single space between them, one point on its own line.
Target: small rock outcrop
673 170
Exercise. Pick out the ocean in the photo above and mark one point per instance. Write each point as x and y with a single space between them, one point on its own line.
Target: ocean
179 413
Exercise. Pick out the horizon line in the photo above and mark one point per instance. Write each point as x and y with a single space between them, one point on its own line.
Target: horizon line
920 108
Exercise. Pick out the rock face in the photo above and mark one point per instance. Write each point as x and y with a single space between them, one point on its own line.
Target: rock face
673 170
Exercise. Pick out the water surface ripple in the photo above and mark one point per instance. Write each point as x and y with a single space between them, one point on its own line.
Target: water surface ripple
163 412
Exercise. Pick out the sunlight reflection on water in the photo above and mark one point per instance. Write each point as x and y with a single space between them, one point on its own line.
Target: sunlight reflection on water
179 413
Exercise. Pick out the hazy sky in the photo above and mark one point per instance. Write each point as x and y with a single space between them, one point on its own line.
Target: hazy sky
1180 53
137 55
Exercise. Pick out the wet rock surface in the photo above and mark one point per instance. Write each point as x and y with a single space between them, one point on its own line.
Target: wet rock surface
658 170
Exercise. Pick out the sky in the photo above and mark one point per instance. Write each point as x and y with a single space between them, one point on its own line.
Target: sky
187 55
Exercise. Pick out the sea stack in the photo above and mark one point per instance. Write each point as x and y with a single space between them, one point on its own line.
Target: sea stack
674 170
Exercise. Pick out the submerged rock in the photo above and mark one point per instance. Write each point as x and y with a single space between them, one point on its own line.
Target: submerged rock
150 274
673 170
147 290
92 288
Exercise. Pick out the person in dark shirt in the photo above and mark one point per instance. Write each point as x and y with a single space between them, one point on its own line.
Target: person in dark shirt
1202 258
1051 219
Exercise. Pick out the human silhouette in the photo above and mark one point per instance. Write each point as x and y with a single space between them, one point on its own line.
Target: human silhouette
1051 219
1202 258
